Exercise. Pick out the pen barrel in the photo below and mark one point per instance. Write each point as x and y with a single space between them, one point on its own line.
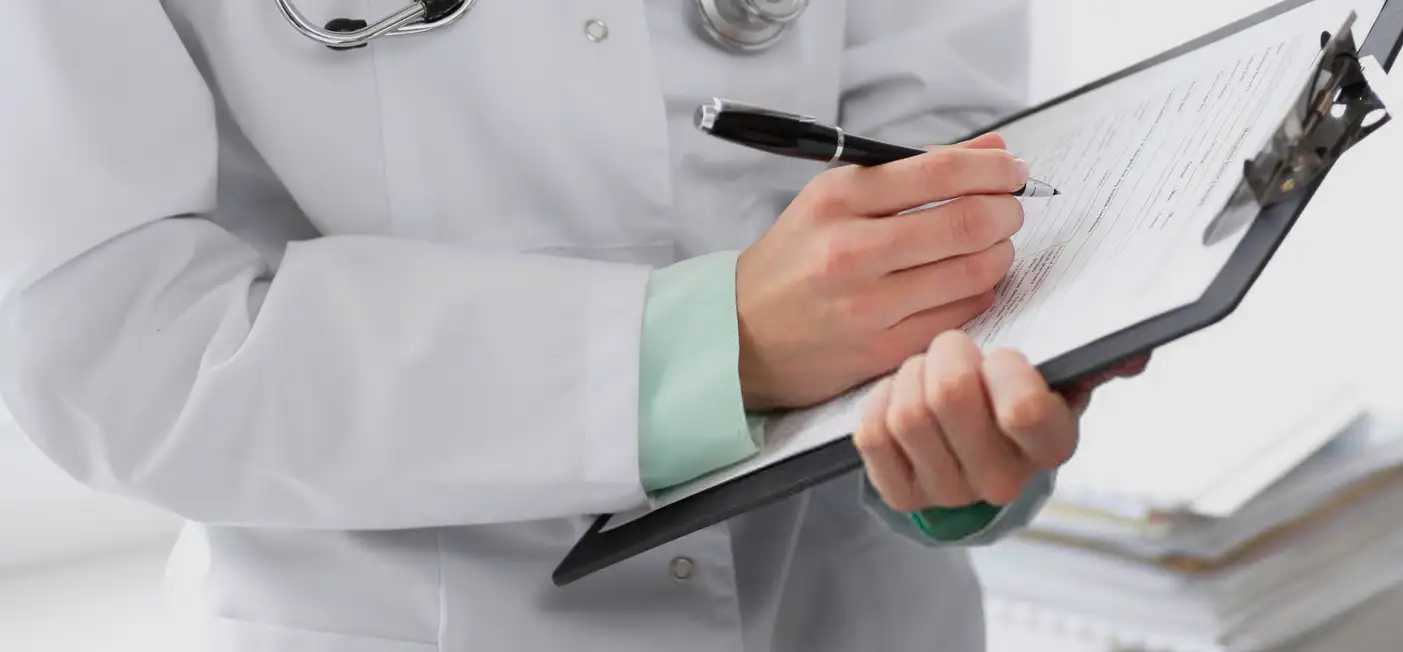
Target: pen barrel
794 136
867 152
778 135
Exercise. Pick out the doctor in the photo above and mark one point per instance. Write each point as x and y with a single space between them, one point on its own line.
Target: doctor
387 324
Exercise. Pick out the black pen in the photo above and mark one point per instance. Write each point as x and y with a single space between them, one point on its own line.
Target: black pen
801 136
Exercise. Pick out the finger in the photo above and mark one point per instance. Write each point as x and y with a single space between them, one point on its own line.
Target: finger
1079 396
990 140
913 334
887 467
912 291
955 392
963 226
916 432
937 175
1134 367
1036 419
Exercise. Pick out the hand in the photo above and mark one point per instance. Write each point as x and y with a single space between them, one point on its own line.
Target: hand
953 427
842 289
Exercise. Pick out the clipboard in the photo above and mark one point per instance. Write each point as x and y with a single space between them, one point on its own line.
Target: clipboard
1338 108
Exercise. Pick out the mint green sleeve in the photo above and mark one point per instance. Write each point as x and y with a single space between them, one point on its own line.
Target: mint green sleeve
692 418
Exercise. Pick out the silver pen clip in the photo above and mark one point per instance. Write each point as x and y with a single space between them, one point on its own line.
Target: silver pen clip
707 114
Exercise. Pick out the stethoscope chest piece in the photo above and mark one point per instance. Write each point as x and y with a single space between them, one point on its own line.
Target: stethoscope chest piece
749 25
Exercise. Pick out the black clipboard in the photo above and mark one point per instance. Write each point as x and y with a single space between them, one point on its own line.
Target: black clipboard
1277 184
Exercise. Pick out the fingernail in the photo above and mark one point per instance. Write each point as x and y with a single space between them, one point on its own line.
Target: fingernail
1023 172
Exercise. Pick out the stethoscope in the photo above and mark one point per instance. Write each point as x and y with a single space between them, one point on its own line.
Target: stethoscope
740 25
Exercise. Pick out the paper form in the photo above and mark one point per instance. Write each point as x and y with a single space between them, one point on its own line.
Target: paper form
1146 163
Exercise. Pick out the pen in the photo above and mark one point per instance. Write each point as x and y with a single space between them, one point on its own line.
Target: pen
801 136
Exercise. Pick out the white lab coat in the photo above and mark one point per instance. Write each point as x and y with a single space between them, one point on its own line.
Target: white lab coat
371 318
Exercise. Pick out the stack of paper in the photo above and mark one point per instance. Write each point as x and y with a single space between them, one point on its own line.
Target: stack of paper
1291 563
1366 454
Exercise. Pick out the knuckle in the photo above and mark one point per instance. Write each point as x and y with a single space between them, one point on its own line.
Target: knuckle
1002 254
963 221
974 271
938 166
1005 216
1008 168
1025 413
951 344
961 498
838 256
855 309
985 269
948 389
1002 486
903 502
908 422
870 440
956 491
1008 356
977 222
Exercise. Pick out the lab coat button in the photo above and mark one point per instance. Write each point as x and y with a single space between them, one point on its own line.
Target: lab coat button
681 568
596 30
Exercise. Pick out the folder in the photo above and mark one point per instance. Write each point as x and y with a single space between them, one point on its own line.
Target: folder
1183 173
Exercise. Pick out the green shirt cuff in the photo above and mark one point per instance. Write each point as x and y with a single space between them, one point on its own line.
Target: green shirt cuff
955 523
692 418
971 525
983 523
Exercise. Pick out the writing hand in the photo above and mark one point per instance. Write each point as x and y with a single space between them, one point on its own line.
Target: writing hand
847 284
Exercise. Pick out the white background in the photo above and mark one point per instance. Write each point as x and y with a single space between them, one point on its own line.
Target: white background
83 572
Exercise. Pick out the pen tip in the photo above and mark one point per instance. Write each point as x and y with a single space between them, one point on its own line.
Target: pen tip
1056 192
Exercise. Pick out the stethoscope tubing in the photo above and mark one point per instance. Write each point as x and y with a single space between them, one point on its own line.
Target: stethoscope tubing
763 26
407 21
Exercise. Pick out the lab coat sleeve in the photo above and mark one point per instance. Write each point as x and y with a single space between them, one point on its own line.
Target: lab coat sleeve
934 72
365 383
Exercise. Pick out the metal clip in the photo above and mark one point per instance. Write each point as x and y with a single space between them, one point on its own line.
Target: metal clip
1336 109
707 114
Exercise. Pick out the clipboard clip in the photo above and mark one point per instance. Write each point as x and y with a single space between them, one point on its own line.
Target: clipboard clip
1337 108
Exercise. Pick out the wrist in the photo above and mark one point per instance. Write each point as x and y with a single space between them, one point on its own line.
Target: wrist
760 389
755 388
